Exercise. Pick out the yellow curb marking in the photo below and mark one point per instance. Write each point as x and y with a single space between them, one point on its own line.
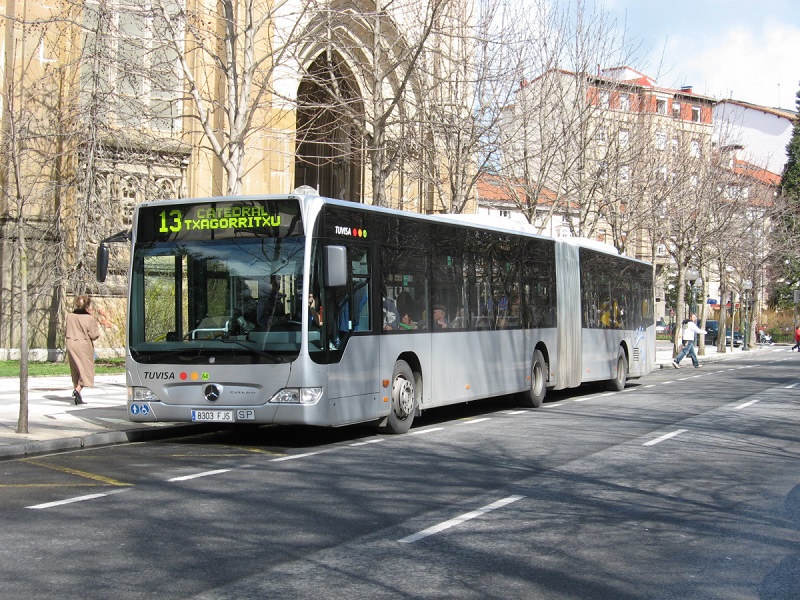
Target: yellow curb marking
92 476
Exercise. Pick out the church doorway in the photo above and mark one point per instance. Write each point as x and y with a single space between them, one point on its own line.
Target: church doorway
329 153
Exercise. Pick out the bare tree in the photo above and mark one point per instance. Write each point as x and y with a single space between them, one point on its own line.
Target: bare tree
368 80
469 70
35 177
550 131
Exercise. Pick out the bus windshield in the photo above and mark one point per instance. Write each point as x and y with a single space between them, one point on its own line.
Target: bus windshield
231 296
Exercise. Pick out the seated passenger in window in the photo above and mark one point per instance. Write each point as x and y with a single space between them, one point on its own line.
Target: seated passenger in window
439 317
391 320
406 322
459 322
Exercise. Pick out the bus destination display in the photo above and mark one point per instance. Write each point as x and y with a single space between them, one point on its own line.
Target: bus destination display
219 220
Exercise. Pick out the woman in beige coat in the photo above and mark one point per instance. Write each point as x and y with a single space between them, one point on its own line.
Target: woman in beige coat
82 331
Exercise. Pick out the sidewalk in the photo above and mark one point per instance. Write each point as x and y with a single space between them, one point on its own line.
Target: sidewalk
56 425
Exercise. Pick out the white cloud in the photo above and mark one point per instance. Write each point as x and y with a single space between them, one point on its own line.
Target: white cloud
747 64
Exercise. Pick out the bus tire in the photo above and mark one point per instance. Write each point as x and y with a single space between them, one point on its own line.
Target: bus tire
534 395
617 384
404 399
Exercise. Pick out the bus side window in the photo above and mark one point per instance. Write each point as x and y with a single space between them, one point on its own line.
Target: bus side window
351 303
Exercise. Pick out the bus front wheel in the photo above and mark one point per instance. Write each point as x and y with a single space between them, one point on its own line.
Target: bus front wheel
404 399
617 384
534 395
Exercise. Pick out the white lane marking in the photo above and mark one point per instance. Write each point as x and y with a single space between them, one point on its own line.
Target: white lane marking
76 499
421 431
793 385
515 412
375 441
294 456
471 421
649 386
664 437
458 520
196 475
745 405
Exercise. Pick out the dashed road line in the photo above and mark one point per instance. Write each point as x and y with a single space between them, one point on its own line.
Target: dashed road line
745 405
410 539
424 431
76 499
197 475
372 441
664 437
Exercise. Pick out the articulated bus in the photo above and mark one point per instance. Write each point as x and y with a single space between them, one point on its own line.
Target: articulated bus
305 310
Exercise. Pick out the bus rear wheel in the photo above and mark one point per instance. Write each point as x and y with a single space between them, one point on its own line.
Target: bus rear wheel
617 383
404 399
534 395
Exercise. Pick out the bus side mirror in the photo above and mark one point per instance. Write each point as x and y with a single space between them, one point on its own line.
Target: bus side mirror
102 262
335 266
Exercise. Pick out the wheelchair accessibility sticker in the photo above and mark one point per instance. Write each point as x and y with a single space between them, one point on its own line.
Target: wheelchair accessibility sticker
140 409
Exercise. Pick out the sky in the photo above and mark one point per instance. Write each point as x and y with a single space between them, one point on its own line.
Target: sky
742 49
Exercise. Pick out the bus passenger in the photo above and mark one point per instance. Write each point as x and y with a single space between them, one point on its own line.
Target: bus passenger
391 320
406 322
270 303
314 317
439 317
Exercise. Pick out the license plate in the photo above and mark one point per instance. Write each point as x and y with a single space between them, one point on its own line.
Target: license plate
247 414
219 416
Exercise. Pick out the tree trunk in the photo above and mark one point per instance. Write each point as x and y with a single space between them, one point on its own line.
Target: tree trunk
22 422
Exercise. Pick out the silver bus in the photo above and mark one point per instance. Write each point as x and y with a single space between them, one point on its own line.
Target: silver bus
306 310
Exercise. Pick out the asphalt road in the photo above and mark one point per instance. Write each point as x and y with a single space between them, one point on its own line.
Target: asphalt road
684 485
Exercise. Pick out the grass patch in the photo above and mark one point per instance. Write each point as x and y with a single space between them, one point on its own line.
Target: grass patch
10 368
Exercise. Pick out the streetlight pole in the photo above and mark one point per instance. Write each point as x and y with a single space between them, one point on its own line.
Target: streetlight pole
692 276
747 286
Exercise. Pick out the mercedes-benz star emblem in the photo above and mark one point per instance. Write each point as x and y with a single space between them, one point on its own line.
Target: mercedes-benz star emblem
212 393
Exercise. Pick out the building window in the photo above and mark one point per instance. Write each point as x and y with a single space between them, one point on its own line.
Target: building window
134 67
675 145
676 110
624 136
602 135
624 174
694 180
505 213
661 107
694 148
696 114
661 140
605 98
624 102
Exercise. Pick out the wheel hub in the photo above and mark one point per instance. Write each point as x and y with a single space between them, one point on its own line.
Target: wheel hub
403 396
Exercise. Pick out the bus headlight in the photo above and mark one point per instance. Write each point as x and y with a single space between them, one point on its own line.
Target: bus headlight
297 396
141 394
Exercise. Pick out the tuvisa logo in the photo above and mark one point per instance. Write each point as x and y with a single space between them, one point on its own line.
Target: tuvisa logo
350 231
159 375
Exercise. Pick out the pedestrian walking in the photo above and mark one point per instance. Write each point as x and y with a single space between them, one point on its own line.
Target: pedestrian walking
796 339
690 329
82 331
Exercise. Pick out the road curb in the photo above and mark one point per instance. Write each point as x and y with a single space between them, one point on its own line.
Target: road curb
103 438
